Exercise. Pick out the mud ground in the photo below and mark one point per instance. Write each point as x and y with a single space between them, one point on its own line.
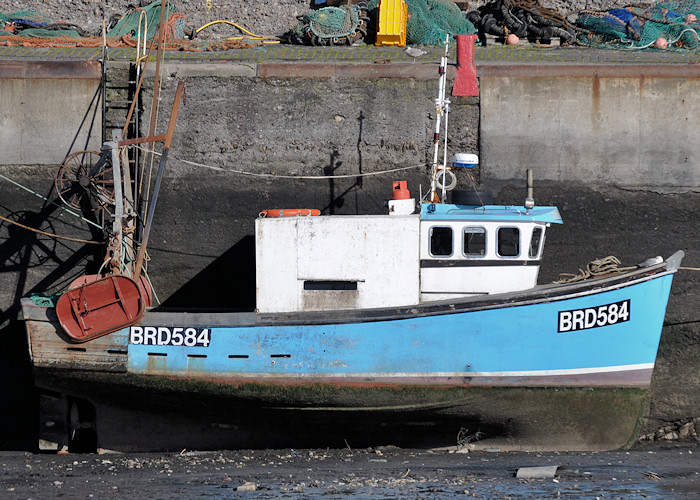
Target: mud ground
381 472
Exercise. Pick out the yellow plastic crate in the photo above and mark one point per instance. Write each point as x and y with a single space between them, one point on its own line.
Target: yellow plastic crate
391 26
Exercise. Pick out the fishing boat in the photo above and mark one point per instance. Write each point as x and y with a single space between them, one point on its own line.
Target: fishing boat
431 312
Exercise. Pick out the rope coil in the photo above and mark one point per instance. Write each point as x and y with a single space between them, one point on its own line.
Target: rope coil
600 267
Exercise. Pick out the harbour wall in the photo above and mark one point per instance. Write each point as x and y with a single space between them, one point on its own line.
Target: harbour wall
251 137
624 125
48 109
629 126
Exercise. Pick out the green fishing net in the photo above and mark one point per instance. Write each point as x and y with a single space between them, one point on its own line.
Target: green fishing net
640 26
44 300
332 25
36 24
28 17
333 21
129 24
429 21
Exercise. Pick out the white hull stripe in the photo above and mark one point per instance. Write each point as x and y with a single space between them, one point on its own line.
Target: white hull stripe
524 373
571 371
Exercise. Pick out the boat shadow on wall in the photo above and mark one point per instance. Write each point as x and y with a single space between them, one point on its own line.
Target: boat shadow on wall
30 262
208 290
33 261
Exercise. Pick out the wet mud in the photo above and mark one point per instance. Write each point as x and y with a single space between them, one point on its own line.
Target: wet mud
656 471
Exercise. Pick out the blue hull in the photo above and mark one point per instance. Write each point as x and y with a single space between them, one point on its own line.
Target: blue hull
604 337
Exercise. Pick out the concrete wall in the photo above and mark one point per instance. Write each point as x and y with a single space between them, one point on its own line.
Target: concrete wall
309 119
47 109
628 126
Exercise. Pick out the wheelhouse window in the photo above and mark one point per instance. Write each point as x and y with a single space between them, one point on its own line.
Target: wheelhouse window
440 241
508 242
474 241
535 242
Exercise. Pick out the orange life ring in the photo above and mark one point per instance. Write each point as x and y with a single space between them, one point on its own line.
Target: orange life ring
290 212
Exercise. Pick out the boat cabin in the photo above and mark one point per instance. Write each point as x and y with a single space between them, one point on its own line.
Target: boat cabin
470 250
447 251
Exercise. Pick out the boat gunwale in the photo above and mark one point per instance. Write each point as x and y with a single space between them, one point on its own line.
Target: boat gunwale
551 292
541 293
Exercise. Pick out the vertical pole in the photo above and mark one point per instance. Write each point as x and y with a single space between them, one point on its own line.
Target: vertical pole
148 159
118 222
152 205
440 107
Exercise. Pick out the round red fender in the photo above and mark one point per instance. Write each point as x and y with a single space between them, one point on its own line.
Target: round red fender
290 212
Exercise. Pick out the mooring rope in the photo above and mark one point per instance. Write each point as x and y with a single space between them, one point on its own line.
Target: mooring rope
52 235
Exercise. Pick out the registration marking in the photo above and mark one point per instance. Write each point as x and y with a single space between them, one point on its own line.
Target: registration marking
593 317
176 336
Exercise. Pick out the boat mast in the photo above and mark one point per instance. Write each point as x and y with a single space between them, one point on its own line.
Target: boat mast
442 106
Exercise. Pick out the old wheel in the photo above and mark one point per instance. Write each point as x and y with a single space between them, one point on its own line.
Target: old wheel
84 181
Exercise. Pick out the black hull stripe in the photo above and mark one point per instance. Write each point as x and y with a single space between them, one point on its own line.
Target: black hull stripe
428 263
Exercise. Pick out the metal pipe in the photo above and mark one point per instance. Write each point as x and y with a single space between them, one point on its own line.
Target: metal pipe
439 106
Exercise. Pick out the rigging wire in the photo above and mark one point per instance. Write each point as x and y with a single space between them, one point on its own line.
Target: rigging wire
278 176
51 202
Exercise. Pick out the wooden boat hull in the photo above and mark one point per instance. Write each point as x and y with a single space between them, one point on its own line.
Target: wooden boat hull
556 367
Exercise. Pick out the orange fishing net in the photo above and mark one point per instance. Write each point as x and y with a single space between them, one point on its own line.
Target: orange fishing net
172 39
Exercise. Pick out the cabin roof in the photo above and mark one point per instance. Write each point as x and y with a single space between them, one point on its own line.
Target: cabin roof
494 213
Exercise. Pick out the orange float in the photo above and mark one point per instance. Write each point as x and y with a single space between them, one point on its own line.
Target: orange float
661 43
290 212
